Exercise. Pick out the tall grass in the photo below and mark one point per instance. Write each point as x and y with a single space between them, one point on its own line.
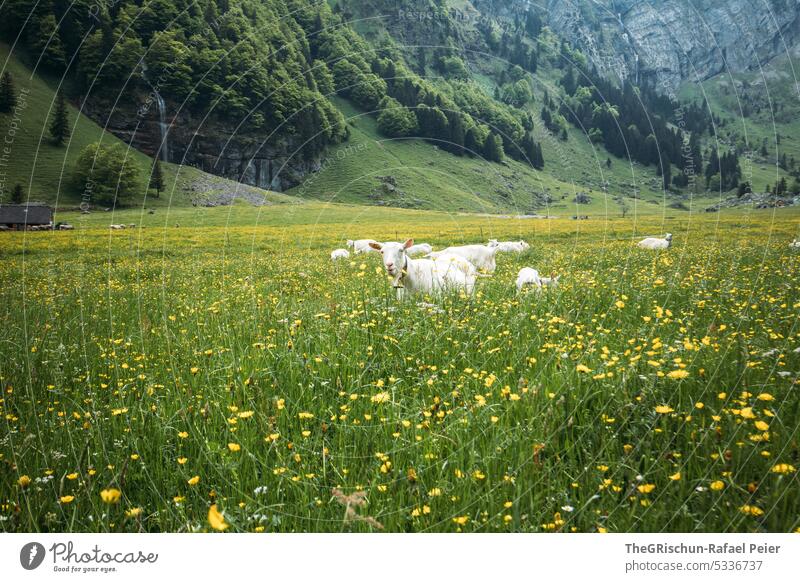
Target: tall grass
650 392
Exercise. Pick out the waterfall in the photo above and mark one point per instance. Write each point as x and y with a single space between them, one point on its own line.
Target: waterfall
162 117
162 126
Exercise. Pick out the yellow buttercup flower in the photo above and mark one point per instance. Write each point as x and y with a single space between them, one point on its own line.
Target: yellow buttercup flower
751 510
194 480
110 495
216 519
664 409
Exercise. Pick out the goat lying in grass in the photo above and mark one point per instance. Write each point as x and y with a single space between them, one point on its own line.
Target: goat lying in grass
447 272
509 246
655 244
361 245
482 257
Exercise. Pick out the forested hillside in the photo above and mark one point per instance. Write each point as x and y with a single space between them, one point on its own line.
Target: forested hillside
253 90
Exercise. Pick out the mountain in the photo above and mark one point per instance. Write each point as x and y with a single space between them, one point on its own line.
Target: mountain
665 42
481 105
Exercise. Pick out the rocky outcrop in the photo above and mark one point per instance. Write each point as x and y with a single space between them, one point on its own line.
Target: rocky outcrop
208 145
664 42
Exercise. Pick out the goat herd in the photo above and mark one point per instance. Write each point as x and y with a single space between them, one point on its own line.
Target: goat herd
456 267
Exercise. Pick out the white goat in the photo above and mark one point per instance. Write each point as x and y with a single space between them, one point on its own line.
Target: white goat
361 245
420 249
446 273
482 257
509 246
655 244
795 244
340 254
550 281
528 276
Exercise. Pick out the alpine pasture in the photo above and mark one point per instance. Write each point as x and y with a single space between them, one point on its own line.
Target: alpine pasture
214 369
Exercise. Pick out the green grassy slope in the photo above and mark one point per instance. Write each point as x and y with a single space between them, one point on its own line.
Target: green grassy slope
371 169
44 169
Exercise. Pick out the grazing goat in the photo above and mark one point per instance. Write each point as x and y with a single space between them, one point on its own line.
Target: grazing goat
528 276
550 281
116 226
420 249
656 244
795 244
482 257
446 273
340 254
361 245
509 246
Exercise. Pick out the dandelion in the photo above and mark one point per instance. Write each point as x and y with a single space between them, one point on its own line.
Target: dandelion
717 485
133 512
67 499
765 397
234 447
678 374
24 481
761 425
664 409
747 413
216 519
675 476
646 488
783 468
194 480
461 520
72 476
183 435
110 496
583 368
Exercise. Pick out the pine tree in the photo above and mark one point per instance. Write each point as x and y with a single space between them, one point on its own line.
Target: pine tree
59 127
667 175
157 179
8 94
18 195
493 148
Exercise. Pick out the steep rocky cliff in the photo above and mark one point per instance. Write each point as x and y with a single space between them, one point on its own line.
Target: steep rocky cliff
667 41
208 144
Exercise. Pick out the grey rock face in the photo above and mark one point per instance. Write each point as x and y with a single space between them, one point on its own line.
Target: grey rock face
208 145
664 42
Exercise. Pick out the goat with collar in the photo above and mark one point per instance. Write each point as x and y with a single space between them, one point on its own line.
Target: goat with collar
432 276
